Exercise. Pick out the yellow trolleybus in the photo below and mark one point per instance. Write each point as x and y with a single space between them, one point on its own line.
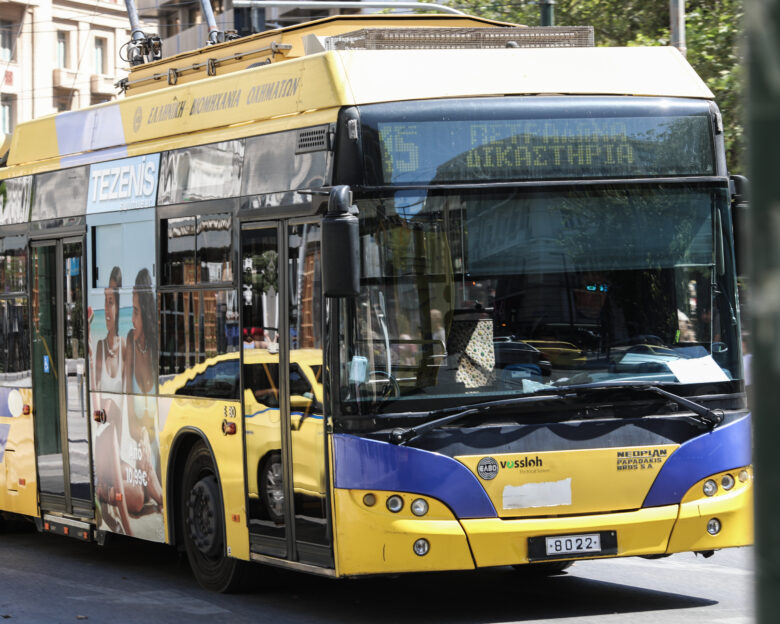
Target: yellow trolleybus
375 295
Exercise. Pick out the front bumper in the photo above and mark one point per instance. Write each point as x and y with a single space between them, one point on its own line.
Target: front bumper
372 540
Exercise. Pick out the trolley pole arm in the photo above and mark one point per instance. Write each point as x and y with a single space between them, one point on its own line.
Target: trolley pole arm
344 4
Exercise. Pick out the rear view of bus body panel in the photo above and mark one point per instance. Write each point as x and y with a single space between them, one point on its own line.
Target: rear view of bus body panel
664 509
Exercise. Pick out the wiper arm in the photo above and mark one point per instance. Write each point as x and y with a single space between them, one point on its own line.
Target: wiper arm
709 417
401 435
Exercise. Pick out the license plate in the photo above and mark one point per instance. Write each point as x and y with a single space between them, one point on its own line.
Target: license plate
573 544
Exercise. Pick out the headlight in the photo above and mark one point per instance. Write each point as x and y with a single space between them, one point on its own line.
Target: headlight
419 507
727 482
713 526
710 487
421 547
395 503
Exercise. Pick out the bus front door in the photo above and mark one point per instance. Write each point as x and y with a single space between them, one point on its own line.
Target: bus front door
284 426
59 377
267 512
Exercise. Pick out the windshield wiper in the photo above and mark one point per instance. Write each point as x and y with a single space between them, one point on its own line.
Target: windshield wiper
401 435
709 417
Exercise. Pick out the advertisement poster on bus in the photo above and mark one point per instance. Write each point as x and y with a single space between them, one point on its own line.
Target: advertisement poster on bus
123 355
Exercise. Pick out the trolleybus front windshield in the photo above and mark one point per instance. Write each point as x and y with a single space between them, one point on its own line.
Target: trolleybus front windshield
513 290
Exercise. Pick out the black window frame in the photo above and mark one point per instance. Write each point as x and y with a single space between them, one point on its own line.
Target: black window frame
197 290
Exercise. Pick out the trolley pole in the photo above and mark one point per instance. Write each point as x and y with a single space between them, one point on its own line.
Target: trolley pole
547 12
763 126
677 25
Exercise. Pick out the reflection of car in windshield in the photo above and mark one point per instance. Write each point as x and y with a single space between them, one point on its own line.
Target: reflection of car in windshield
519 360
559 353
218 378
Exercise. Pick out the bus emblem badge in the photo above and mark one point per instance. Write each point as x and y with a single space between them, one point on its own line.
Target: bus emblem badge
487 468
137 119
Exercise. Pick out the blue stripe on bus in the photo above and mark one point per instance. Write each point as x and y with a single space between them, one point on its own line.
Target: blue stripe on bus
4 429
276 409
362 464
724 448
90 130
94 157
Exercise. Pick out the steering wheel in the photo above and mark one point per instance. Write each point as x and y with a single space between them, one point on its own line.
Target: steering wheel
390 384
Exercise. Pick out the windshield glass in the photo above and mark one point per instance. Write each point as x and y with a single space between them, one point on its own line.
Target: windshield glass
501 292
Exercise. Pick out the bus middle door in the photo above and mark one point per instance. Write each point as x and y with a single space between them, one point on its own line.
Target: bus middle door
59 377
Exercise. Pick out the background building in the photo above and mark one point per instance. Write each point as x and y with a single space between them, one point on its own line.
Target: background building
58 55
183 28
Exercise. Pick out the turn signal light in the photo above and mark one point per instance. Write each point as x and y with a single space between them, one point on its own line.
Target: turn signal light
99 415
228 428
26 409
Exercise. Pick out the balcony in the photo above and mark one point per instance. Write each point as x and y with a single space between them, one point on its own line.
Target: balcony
102 85
64 79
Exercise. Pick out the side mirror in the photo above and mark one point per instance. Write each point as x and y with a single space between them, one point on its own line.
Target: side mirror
340 246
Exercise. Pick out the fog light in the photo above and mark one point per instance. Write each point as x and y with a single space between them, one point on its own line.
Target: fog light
369 500
743 475
713 526
727 482
710 487
419 507
421 547
395 503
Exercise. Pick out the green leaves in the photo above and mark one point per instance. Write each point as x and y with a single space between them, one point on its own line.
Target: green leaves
713 34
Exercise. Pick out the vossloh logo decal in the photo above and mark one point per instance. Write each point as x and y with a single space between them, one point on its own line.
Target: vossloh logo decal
531 495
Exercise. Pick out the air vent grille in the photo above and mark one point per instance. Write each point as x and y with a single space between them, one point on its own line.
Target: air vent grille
432 38
312 140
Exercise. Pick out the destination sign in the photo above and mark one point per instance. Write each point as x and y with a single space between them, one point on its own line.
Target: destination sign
430 152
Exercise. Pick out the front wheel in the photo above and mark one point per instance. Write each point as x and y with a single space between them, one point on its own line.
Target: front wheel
204 527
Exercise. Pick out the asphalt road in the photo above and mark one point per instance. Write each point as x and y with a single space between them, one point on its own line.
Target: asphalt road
50 579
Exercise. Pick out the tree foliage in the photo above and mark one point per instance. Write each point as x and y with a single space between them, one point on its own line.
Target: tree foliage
713 34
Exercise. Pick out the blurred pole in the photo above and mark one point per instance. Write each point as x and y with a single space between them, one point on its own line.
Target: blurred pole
763 127
547 12
677 25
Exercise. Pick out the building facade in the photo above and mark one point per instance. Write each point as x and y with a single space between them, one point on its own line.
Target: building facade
58 55
182 27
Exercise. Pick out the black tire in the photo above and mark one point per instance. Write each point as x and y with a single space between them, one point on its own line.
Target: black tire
546 568
203 526
271 487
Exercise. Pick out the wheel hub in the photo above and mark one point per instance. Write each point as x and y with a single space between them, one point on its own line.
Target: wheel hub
202 516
